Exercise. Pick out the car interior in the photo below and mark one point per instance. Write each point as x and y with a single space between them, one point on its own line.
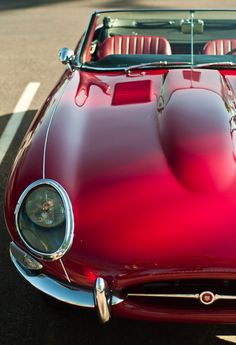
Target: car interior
121 42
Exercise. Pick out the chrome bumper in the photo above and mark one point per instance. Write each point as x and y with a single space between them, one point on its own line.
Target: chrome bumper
31 270
76 296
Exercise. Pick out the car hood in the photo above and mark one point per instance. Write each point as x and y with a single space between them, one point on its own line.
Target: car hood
152 181
148 163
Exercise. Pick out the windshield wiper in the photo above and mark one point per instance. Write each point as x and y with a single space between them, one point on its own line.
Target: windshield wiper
156 64
217 64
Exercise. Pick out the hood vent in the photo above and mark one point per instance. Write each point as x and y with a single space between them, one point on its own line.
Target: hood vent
132 92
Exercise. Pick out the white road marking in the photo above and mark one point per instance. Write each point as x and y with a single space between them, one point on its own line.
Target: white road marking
17 117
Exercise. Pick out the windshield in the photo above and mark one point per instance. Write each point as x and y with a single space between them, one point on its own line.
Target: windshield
121 39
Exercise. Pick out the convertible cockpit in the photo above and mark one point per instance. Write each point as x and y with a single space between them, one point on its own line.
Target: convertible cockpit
119 39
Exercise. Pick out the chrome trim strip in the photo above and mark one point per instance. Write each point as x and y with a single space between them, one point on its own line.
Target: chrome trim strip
116 300
69 232
65 271
102 299
166 10
225 297
85 38
201 297
162 295
104 69
49 126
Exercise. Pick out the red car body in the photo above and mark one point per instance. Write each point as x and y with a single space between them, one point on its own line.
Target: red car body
147 159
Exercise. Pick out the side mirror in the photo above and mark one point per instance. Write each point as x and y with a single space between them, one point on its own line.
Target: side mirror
66 56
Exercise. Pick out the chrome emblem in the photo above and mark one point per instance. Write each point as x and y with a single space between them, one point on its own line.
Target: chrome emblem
207 297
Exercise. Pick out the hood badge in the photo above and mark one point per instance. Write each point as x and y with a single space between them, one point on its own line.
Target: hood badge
207 297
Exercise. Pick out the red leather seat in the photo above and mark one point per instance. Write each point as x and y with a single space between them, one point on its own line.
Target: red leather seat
219 47
134 44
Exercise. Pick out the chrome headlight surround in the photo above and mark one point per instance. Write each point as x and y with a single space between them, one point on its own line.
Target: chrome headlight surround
69 219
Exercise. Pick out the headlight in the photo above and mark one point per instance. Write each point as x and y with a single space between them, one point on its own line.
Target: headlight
44 207
44 219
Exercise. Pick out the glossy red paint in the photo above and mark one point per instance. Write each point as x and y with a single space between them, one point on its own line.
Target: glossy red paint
87 80
152 184
133 92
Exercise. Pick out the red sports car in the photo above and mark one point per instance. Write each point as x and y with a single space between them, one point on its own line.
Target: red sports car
122 196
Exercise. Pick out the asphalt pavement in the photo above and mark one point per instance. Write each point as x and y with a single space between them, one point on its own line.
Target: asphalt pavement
31 32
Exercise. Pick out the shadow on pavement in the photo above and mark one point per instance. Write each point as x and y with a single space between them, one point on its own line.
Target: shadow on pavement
21 4
124 4
14 146
83 324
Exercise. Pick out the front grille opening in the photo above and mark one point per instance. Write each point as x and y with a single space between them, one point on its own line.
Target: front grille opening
182 287
182 304
186 286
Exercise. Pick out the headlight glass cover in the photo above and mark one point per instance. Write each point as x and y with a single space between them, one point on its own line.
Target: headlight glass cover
44 219
44 207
